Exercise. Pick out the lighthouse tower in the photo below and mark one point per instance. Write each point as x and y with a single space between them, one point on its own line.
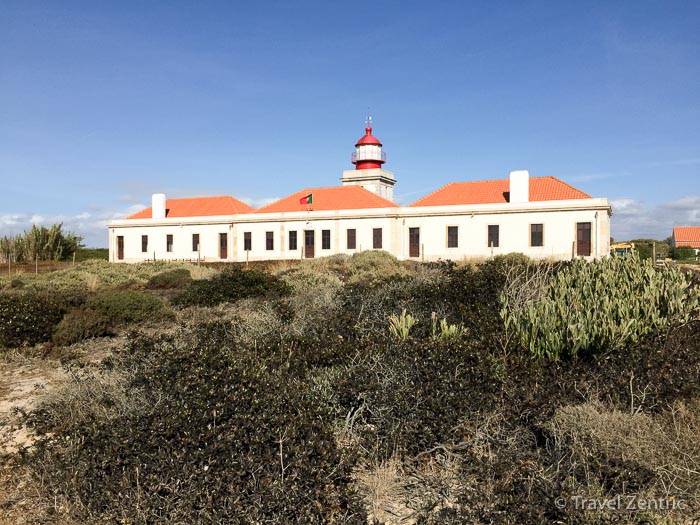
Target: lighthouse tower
368 173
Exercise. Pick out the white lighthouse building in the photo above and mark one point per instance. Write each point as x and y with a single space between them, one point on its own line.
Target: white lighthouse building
368 159
542 217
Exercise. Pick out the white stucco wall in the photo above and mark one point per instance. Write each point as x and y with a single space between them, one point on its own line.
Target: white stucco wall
337 222
559 219
157 231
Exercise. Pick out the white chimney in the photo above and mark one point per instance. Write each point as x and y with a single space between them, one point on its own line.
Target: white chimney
158 206
519 186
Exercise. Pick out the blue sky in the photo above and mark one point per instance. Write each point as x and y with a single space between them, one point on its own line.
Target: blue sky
104 103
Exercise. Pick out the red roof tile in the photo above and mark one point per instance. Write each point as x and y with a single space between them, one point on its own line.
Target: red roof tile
497 192
198 207
687 236
328 199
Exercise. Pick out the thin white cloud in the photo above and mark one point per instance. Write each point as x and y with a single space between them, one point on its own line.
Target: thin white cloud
587 177
633 219
92 226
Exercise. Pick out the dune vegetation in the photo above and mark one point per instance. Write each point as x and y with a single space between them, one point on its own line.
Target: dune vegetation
352 390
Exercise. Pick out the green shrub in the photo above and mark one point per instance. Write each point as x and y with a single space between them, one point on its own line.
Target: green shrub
589 307
374 265
445 331
683 253
400 325
29 317
229 286
85 254
128 306
178 278
16 283
82 323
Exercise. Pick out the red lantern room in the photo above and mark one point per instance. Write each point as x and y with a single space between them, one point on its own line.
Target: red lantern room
368 151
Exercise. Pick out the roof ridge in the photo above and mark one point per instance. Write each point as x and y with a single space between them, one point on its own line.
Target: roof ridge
432 193
376 200
237 204
481 181
200 197
228 203
566 184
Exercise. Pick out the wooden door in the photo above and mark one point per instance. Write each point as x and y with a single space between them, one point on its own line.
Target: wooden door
223 246
309 244
414 242
120 247
583 239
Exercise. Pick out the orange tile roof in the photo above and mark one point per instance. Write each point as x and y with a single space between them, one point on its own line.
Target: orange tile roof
497 192
687 236
328 199
198 207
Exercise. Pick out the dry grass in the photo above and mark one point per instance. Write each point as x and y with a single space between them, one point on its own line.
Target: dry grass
250 321
96 273
383 488
201 272
664 445
315 297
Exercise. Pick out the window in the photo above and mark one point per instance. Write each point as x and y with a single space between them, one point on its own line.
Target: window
223 246
352 239
293 240
144 243
414 242
120 247
195 242
247 242
493 235
269 240
169 243
583 239
377 238
536 235
325 239
452 236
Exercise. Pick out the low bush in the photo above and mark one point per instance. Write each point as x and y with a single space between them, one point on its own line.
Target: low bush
372 266
409 397
128 306
229 286
224 438
29 317
178 278
85 254
683 253
591 307
80 324
99 273
315 299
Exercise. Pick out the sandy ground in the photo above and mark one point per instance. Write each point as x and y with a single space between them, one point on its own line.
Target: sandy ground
22 382
25 378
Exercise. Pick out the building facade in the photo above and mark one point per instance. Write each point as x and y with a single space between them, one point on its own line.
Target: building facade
686 237
541 217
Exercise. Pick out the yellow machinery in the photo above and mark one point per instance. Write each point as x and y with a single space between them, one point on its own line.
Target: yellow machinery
621 248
